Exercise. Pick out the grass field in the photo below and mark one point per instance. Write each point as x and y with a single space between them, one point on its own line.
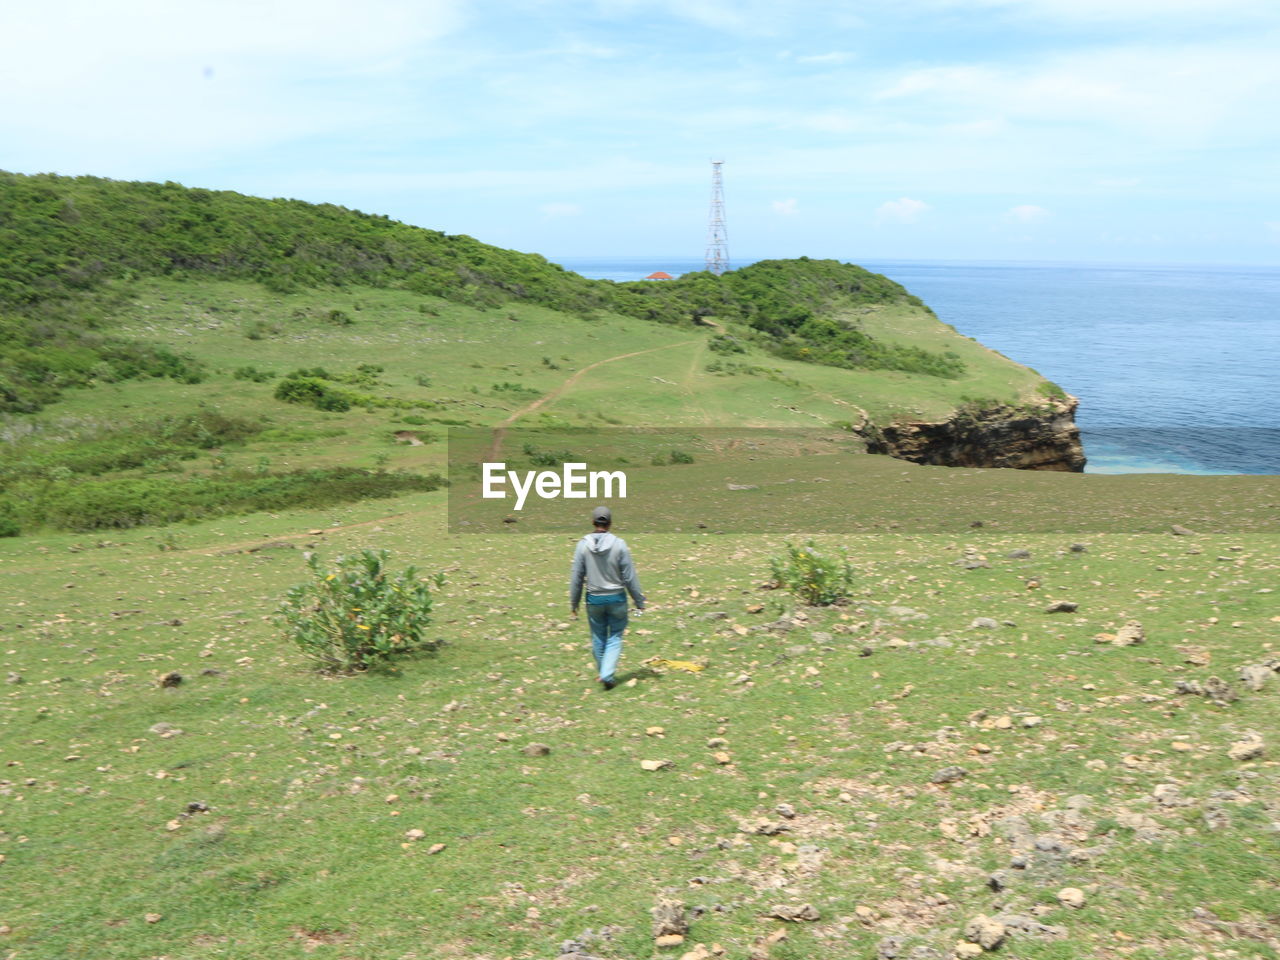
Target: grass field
258 809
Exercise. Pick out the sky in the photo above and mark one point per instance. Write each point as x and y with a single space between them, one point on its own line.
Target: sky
1077 130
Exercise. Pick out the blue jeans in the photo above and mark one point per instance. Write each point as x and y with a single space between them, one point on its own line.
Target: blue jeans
607 621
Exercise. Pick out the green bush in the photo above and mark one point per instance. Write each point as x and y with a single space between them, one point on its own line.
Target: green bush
356 615
124 502
312 392
815 578
680 456
254 374
8 523
723 343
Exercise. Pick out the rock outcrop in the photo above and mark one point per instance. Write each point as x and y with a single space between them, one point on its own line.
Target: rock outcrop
1039 436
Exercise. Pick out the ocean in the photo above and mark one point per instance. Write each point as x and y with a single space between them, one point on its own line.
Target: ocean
1176 366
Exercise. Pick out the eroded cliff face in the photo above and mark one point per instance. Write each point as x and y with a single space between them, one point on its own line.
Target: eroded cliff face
1041 436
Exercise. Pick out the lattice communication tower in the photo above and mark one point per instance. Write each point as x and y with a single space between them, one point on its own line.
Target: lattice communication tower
717 235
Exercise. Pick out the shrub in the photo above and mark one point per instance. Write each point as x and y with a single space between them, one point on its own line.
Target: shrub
680 456
815 578
356 615
8 523
723 343
312 392
254 374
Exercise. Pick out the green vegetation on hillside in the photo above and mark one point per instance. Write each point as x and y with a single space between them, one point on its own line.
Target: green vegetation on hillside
63 238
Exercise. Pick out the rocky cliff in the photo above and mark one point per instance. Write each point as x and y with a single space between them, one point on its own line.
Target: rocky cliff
1040 436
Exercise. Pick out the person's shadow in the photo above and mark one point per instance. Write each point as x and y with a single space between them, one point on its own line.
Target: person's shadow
640 673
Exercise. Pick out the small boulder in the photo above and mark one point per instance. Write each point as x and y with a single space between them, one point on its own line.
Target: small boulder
985 932
1062 606
1255 676
170 679
669 918
1180 531
1130 635
949 775
792 914
1250 748
1072 897
535 750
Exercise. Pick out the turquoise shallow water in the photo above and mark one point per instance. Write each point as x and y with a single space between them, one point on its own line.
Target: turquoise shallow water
1177 367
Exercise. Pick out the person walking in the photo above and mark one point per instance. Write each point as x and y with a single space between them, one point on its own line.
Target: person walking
603 564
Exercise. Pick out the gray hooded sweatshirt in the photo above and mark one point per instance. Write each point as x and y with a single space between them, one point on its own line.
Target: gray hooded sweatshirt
603 562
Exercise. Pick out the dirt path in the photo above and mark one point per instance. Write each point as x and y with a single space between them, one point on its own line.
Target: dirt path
500 431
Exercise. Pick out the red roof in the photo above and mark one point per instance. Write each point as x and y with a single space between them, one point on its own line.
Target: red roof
659 275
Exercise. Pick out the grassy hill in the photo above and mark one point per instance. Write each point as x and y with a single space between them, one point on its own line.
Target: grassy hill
261 350
936 749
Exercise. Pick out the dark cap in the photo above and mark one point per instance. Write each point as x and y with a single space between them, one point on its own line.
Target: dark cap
602 515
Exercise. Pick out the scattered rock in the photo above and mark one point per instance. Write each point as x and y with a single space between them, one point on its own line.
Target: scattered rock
669 918
1130 635
998 880
1215 689
669 940
170 679
1079 548
743 486
1255 676
1019 554
153 917
949 775
715 615
414 834
1072 897
1021 923
654 765
786 811
985 932
1062 606
964 949
536 750
1250 748
762 827
794 914
13 677
1180 531
984 623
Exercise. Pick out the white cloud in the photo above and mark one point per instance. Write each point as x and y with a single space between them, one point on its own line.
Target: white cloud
903 210
785 208
560 209
1027 213
147 83
1188 92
